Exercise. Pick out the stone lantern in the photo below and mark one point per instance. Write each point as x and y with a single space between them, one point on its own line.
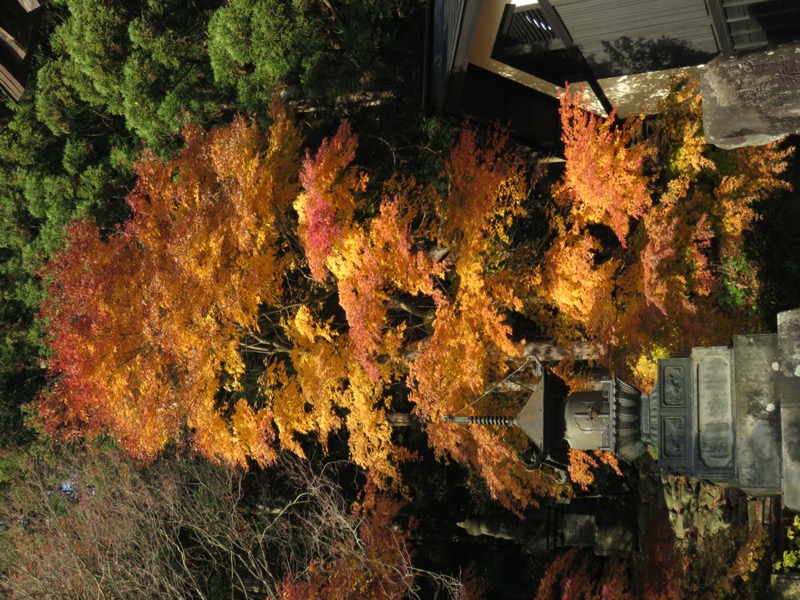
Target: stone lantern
730 416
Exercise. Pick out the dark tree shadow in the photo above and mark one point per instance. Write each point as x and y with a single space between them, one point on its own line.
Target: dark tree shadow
627 56
776 245
770 22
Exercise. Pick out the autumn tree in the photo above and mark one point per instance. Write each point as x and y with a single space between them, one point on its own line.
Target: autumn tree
647 238
244 262
425 298
353 295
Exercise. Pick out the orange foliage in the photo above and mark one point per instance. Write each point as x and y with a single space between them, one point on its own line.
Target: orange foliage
327 380
471 345
604 180
146 327
238 246
368 266
487 187
608 459
575 283
581 465
577 380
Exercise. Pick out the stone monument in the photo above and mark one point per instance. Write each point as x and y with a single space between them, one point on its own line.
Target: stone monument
732 415
751 99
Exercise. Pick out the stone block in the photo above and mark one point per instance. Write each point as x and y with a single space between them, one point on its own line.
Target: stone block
577 530
788 365
751 99
758 428
613 540
785 586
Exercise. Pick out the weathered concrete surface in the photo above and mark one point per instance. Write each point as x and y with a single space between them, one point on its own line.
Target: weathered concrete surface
30 5
577 530
789 378
758 428
785 586
713 372
752 99
613 534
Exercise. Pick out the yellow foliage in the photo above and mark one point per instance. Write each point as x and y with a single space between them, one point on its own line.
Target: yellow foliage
576 284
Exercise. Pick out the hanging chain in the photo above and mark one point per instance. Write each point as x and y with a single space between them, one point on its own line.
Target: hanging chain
494 387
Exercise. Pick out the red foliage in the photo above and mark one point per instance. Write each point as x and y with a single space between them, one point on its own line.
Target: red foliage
327 205
664 569
574 576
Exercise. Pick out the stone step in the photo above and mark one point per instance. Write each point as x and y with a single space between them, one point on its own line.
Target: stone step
758 423
789 385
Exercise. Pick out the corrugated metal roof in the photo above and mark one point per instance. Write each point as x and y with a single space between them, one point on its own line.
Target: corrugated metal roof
754 24
622 37
453 11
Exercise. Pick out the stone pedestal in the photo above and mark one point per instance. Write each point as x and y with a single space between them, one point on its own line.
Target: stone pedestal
732 415
757 414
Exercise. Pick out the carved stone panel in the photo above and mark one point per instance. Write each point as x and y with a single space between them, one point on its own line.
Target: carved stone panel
674 386
714 394
675 437
676 422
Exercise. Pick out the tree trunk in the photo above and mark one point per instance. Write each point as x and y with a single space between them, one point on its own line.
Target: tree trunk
548 351
402 419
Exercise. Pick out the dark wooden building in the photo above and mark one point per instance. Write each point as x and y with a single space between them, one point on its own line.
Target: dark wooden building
19 23
508 61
